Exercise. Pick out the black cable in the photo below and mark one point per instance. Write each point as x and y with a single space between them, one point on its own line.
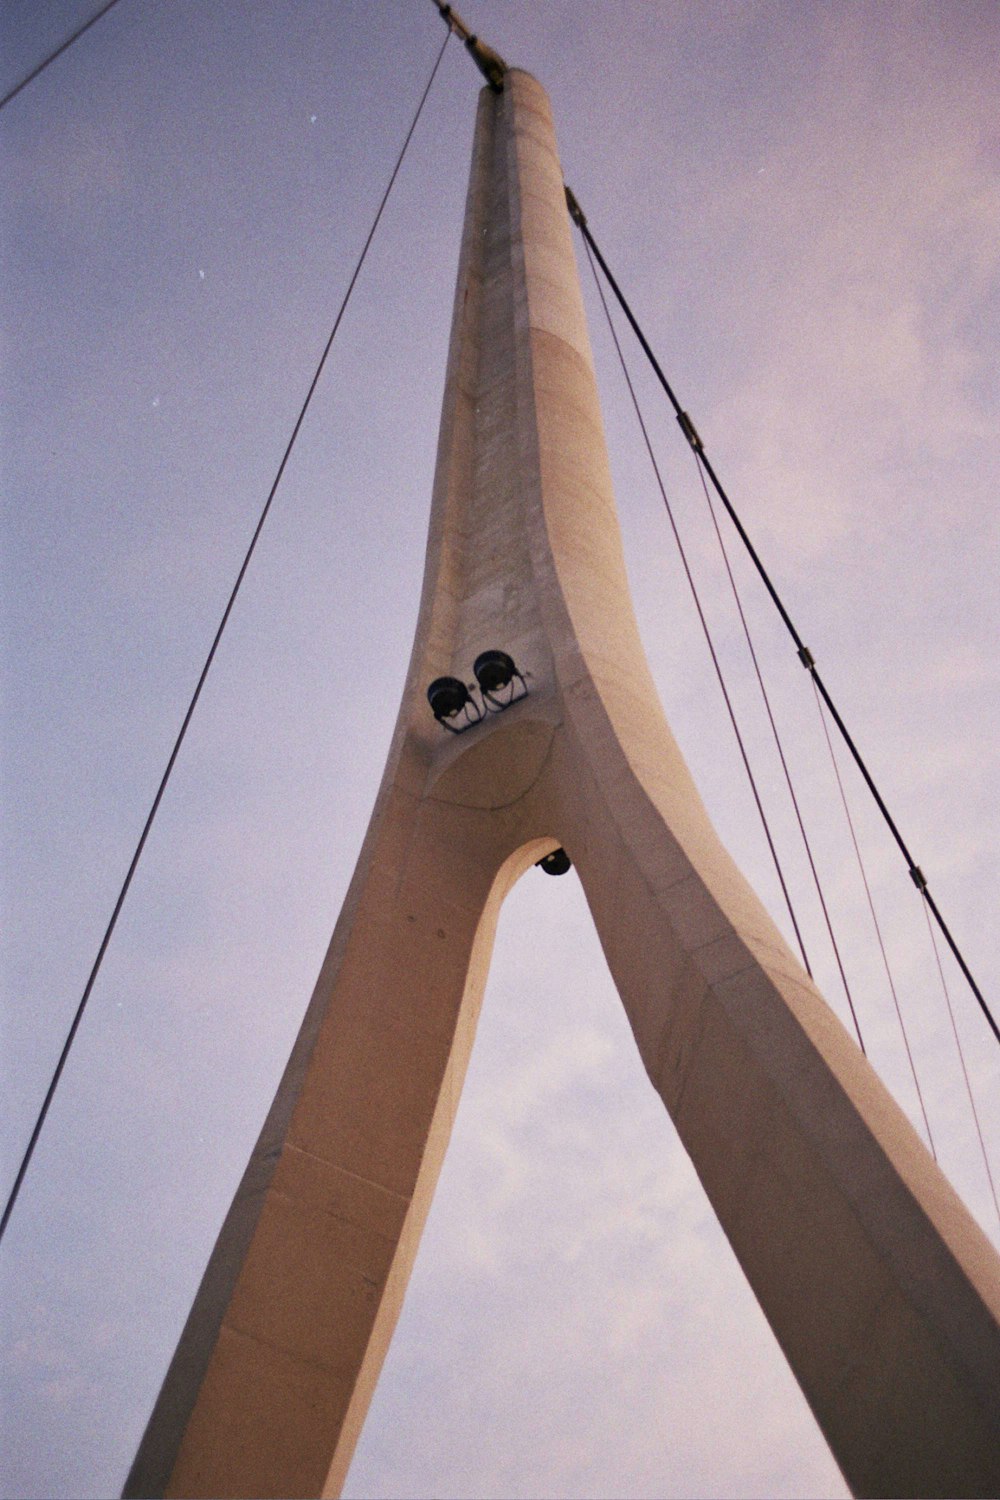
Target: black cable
961 1058
874 916
57 53
704 623
805 655
781 754
205 669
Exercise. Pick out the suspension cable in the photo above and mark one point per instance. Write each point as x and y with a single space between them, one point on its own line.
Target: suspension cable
805 655
701 616
208 662
874 916
961 1056
781 752
63 47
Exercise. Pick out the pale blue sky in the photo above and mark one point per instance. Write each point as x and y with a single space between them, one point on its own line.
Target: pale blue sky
803 202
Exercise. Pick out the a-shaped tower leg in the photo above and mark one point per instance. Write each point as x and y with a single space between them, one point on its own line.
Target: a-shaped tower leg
880 1288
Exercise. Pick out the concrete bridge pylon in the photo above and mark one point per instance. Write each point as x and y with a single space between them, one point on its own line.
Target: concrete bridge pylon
880 1288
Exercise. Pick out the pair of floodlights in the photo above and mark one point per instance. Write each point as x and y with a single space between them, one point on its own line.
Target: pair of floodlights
500 684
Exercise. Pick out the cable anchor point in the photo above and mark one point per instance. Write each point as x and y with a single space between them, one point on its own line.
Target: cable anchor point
690 432
489 63
576 213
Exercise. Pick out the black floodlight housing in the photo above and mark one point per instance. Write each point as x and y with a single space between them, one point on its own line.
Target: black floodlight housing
448 697
495 671
556 863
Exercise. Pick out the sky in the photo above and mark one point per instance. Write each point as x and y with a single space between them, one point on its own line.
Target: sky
803 204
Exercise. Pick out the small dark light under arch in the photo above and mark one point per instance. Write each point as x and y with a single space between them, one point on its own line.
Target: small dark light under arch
556 863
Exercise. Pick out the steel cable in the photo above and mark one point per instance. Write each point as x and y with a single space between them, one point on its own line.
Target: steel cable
704 622
874 916
63 47
961 1056
805 656
781 755
29 1152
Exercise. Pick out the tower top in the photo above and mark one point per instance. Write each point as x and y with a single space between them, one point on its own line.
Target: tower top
489 63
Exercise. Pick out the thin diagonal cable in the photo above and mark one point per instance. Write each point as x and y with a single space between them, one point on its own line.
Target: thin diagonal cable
205 669
781 751
875 920
961 1055
64 46
687 426
701 614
